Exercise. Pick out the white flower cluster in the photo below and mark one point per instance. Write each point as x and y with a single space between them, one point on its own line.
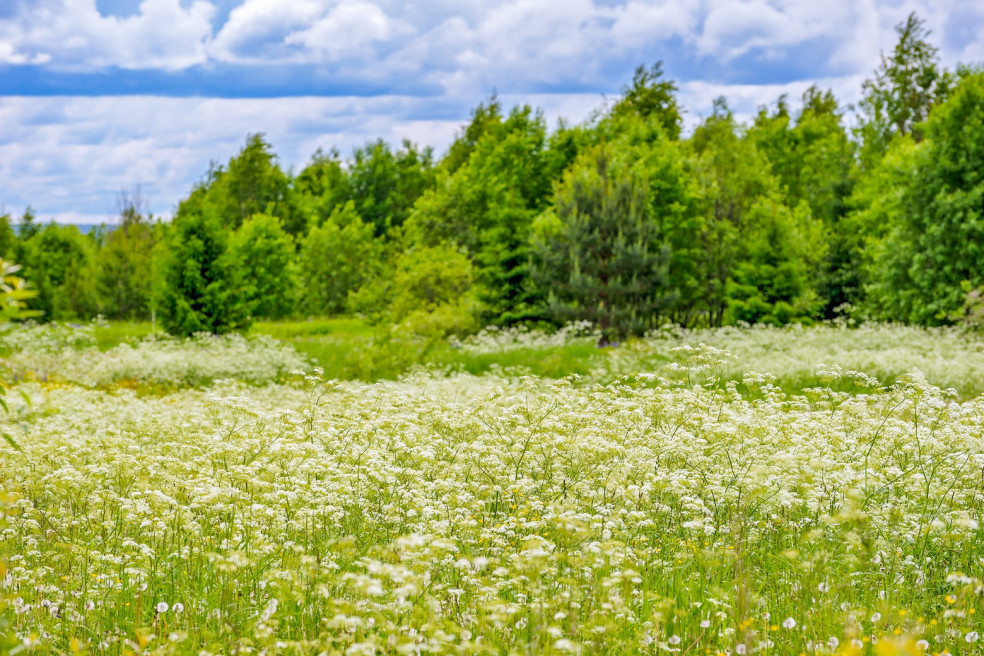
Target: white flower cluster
495 339
465 514
167 363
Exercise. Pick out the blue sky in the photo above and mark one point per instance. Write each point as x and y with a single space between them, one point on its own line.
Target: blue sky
97 96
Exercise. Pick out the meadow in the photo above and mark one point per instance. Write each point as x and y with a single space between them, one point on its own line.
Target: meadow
323 487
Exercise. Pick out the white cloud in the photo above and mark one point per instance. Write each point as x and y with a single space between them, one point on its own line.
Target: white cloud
302 31
470 46
73 35
344 30
735 27
640 23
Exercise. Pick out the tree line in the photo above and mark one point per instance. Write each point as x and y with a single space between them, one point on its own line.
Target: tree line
799 215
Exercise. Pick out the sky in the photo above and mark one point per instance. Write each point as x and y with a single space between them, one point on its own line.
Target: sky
98 97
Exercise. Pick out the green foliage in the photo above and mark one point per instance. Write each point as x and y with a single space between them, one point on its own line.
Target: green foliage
383 185
935 245
972 313
434 292
485 119
431 291
203 283
652 98
774 281
59 262
731 176
14 294
252 183
727 224
335 259
28 226
907 85
487 204
8 238
598 253
812 158
875 229
321 186
125 277
265 254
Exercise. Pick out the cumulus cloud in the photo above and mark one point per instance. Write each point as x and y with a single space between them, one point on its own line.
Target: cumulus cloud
303 31
74 35
466 46
732 28
531 44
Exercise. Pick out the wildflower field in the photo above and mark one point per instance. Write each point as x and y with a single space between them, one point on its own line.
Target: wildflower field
760 491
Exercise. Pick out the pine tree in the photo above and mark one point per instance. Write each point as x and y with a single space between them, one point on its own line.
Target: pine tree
599 254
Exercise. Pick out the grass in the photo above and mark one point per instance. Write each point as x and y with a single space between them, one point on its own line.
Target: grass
113 333
352 349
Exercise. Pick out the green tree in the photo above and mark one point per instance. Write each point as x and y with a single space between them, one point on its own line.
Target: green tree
599 252
8 238
812 158
774 282
321 186
336 258
384 184
125 279
59 262
203 285
652 98
487 206
264 253
879 201
28 226
485 119
430 291
731 175
252 183
907 85
934 247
